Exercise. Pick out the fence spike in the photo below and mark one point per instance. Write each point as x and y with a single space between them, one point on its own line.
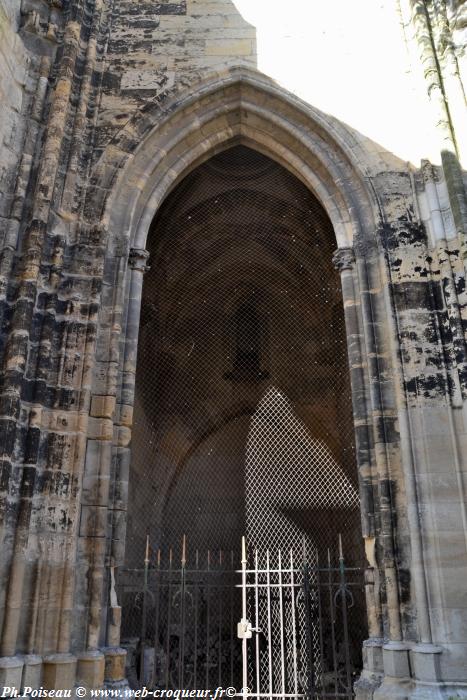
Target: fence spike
183 551
146 558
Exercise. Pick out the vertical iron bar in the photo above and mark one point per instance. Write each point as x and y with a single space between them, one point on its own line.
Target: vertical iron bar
258 677
197 584
221 593
320 618
309 640
268 588
232 583
244 619
333 621
169 620
157 575
343 587
181 647
281 621
144 612
294 624
208 612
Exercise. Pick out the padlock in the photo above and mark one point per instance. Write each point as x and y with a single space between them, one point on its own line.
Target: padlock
244 629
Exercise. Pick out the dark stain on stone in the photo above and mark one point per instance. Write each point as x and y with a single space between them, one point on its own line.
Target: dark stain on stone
405 233
144 23
463 376
111 81
154 8
430 330
58 483
429 386
404 584
418 295
7 434
29 481
386 430
5 473
32 445
460 284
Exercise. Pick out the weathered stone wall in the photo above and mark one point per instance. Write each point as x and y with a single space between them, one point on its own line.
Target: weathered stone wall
14 102
426 283
156 46
119 101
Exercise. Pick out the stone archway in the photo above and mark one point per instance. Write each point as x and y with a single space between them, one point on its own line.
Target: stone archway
70 357
242 415
244 107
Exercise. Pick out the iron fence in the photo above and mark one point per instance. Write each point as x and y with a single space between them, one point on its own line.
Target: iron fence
281 625
179 620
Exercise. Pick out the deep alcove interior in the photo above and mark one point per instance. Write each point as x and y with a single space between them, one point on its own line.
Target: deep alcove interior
242 421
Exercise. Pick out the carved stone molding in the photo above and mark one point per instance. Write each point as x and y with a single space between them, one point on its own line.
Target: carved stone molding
343 259
38 20
428 172
138 258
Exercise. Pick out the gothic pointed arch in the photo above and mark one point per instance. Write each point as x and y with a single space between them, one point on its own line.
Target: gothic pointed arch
159 146
154 153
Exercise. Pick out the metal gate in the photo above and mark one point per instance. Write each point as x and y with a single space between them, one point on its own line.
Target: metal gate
279 626
297 624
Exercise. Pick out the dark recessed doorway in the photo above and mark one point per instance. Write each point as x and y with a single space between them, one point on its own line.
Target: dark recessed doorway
243 422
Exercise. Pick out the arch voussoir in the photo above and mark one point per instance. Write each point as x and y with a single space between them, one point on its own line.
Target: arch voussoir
240 107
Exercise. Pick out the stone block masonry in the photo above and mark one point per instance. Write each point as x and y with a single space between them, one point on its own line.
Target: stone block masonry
105 105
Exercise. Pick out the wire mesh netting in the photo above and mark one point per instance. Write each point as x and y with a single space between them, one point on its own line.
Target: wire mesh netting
303 480
242 420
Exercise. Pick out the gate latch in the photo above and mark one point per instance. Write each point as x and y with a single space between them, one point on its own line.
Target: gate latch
245 629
